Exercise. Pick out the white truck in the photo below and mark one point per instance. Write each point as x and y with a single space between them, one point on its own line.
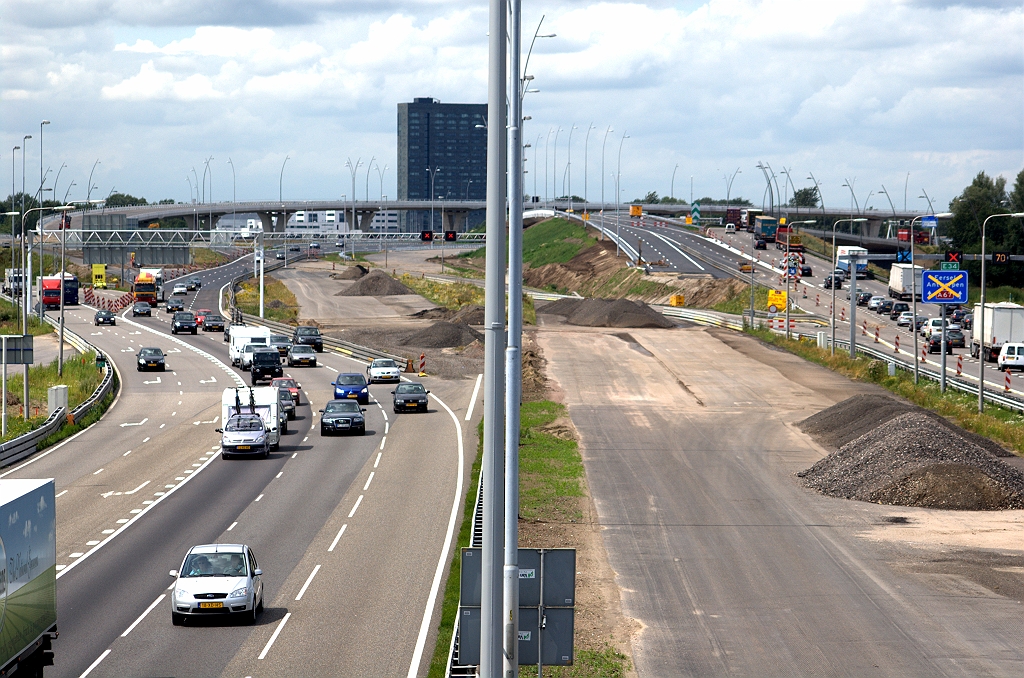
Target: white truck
12 281
901 286
247 334
261 400
843 255
158 277
28 577
1004 322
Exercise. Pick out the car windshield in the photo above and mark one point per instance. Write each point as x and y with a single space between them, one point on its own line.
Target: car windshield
410 388
104 314
342 406
302 349
214 319
214 565
248 348
384 363
151 351
285 383
141 305
350 380
266 357
249 423
284 394
183 317
307 332
279 339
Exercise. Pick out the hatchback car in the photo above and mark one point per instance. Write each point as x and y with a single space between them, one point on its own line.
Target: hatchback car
310 336
104 318
342 416
351 386
956 338
179 288
265 364
184 321
874 301
968 321
863 298
174 305
286 403
142 308
411 396
279 255
904 319
290 384
150 359
299 354
760 245
898 307
213 323
244 434
217 579
831 282
383 369
201 315
839 273
935 342
806 272
884 308
194 283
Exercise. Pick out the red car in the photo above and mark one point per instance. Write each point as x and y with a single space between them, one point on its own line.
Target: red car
288 383
201 315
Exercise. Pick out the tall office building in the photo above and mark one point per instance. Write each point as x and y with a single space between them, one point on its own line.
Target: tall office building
443 137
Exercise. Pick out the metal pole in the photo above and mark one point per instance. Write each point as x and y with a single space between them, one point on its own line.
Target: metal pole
494 327
833 286
618 189
913 290
672 187
568 166
603 143
981 328
3 417
263 256
586 151
942 352
752 313
63 263
513 355
853 307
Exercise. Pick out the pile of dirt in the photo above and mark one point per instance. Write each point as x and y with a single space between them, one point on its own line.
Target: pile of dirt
596 263
606 313
442 335
375 284
909 458
351 273
470 314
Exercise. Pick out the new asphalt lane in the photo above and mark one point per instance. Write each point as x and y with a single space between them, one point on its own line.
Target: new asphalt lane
146 483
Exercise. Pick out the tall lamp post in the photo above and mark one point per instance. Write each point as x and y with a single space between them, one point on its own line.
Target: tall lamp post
618 198
233 224
603 143
672 186
433 175
586 151
63 273
853 291
353 168
568 166
981 330
728 192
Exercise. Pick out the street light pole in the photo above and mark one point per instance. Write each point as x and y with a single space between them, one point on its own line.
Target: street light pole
353 168
982 357
586 166
606 132
618 197
672 187
26 273
786 267
853 299
233 200
568 167
433 175
554 168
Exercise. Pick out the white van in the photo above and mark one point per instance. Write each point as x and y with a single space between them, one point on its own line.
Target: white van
246 334
730 228
261 400
1011 357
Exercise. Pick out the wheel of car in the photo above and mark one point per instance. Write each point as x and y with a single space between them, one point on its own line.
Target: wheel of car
177 619
113 322
284 426
313 364
259 608
194 332
138 369
225 455
361 431
291 415
250 617
163 368
395 409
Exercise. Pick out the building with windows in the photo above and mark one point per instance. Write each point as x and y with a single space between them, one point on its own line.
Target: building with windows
448 141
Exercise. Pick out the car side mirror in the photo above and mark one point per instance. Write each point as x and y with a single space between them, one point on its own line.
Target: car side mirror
219 430
258 572
333 384
174 573
392 393
362 409
428 391
320 410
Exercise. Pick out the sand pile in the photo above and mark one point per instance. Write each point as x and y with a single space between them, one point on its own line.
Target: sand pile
606 313
442 335
470 314
375 284
351 273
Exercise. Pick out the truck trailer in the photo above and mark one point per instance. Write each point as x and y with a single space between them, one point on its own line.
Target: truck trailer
843 260
260 400
28 576
1004 323
900 284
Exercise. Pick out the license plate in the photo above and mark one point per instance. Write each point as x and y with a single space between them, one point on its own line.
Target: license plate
244 447
151 364
211 605
352 395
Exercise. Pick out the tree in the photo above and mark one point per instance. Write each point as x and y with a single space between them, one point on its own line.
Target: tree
124 200
983 198
805 197
732 202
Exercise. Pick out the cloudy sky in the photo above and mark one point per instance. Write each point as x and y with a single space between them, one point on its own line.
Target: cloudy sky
860 90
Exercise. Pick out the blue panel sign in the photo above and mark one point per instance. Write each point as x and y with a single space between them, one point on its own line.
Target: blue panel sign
944 287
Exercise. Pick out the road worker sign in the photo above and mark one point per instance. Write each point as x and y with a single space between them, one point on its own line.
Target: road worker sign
776 301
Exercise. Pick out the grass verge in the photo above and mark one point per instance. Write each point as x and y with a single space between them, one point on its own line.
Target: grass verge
454 295
279 303
554 241
207 258
739 303
10 321
80 375
997 423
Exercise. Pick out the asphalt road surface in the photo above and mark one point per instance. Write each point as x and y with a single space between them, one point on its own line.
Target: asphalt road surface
140 487
728 564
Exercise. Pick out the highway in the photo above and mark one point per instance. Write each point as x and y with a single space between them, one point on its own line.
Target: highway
371 516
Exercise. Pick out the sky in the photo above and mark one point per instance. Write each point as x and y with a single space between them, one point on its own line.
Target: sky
913 95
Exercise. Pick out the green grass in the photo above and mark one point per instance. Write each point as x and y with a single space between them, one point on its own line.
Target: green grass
554 241
80 375
1000 424
207 258
994 295
279 303
739 303
10 321
455 295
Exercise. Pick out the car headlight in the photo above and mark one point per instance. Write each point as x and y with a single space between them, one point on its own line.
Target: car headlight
238 593
358 420
364 390
141 361
260 439
182 594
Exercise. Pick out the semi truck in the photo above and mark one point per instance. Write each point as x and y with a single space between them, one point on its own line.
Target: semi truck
765 227
144 288
1004 323
158 280
785 238
50 290
262 400
28 576
747 218
12 281
920 237
901 285
732 216
843 260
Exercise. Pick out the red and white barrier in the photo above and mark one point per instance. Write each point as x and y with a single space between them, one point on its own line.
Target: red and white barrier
924 355
959 365
897 350
817 300
842 315
876 335
1007 387
864 329
423 364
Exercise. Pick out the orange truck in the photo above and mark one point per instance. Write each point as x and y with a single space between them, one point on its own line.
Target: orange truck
144 288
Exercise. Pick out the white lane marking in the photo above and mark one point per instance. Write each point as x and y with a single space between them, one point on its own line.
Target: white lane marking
387 426
138 423
669 243
368 480
421 639
232 526
211 380
162 425
308 582
179 383
305 439
379 454
146 439
294 454
174 414
472 400
97 472
95 664
92 542
61 494
277 632
75 555
336 539
382 441
258 498
126 453
279 474
156 382
143 615
356 506
138 488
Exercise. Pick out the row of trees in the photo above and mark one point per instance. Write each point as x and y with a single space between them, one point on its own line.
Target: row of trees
984 197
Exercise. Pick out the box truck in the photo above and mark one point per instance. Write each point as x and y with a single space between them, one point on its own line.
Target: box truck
901 285
28 576
1004 323
843 263
246 334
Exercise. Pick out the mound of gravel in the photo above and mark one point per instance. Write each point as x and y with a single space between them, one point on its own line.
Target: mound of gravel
351 273
470 314
376 283
606 313
910 461
442 335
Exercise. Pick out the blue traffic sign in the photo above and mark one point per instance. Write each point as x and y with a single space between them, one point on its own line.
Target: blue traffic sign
944 287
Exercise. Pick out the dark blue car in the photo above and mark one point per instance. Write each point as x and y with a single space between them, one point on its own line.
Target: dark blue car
351 386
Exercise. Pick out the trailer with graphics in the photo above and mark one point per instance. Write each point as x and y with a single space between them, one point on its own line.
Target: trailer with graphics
28 578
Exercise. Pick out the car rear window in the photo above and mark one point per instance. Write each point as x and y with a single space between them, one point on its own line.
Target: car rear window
265 358
410 388
183 316
350 380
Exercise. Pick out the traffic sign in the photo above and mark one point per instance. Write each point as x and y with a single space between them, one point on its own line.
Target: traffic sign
954 256
426 236
903 257
944 287
776 300
451 236
949 266
929 222
1000 257
585 216
695 210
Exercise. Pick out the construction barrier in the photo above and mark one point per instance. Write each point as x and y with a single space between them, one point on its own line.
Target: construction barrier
876 335
959 365
924 355
842 315
1007 387
864 329
897 350
817 300
423 364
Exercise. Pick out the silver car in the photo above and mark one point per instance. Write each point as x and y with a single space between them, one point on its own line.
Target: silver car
383 369
217 579
244 434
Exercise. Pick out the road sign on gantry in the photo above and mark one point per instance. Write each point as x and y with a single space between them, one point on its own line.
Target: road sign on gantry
944 287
